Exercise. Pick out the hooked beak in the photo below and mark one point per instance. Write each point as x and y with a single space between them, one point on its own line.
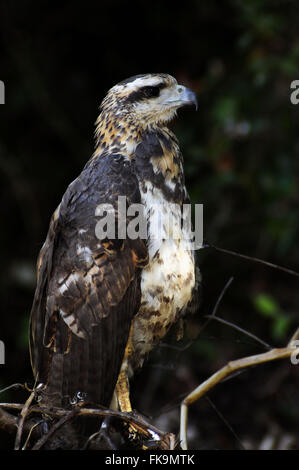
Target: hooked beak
181 96
187 97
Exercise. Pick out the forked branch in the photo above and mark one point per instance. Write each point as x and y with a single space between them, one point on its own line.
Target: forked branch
292 349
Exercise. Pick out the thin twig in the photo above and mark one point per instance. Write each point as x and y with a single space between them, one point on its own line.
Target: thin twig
238 328
252 258
224 420
13 406
16 385
294 338
217 303
104 434
30 432
23 415
221 296
68 416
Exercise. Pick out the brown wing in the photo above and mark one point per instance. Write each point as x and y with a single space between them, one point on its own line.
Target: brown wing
88 290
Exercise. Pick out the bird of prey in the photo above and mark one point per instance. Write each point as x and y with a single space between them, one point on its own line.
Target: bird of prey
102 304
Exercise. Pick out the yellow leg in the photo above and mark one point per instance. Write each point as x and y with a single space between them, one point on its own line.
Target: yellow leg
137 433
124 404
122 386
123 393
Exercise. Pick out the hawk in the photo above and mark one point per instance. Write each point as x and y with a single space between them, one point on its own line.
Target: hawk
102 304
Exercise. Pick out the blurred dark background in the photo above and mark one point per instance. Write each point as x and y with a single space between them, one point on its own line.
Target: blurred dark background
241 150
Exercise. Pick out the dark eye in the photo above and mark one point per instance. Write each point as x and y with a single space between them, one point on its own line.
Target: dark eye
151 91
145 92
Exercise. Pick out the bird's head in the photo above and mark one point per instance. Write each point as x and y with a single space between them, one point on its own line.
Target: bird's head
147 99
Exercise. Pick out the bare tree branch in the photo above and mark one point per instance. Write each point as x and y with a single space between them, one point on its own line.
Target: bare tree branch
23 415
251 258
227 370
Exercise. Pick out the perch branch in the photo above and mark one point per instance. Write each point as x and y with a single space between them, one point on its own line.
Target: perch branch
165 441
23 414
8 422
228 369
